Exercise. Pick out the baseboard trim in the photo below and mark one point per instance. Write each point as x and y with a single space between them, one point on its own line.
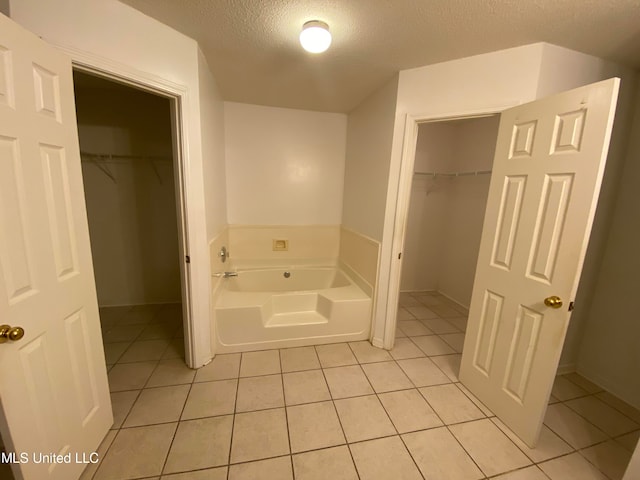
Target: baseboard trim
566 368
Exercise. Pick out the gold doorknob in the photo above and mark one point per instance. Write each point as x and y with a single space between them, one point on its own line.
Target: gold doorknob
8 332
553 302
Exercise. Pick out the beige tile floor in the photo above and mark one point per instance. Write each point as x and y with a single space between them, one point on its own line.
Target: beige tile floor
342 411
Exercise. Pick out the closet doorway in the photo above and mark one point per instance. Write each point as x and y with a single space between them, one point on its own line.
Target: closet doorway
448 196
449 191
132 183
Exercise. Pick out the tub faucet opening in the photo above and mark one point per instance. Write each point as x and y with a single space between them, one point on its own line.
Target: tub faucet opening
225 274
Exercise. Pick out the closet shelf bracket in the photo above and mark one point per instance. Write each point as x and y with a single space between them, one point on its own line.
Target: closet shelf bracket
155 170
104 168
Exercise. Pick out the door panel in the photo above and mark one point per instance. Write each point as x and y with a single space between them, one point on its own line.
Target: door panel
15 255
53 382
60 221
508 220
548 166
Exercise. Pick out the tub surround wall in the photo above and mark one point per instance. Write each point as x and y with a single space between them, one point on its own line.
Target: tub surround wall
219 241
252 245
359 256
284 166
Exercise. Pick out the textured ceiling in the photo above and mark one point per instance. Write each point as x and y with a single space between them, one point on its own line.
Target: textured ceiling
253 51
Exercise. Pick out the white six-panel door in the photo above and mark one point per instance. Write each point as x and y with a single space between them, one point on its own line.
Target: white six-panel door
53 383
548 166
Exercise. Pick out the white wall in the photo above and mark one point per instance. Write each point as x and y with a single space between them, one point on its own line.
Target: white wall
132 220
608 353
423 241
214 166
122 40
369 135
473 151
284 166
434 148
563 69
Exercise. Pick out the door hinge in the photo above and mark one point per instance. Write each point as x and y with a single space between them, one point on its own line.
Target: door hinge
571 306
399 255
187 259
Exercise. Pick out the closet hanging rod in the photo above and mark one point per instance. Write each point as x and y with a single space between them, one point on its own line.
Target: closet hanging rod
102 162
457 174
112 158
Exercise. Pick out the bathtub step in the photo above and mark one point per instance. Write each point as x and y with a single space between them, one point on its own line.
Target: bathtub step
295 318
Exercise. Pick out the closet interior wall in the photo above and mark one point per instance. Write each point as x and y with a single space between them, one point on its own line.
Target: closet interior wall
125 136
446 212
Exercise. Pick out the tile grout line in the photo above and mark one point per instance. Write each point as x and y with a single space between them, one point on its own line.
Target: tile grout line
444 425
397 434
175 432
609 437
335 409
286 413
233 418
579 450
594 395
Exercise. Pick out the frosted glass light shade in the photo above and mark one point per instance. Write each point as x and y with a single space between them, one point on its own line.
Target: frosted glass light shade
315 36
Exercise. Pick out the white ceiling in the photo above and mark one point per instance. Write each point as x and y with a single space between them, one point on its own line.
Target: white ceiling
253 51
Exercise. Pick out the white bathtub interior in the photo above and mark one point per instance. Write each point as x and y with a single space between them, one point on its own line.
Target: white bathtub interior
286 307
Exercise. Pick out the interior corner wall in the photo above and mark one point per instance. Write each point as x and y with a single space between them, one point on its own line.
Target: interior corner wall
284 166
132 216
369 136
473 151
608 352
4 8
125 40
426 218
213 152
446 214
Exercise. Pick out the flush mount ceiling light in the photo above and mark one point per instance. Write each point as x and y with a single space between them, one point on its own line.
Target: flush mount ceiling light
315 36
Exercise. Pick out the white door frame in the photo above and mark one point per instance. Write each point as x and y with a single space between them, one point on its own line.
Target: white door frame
402 200
177 94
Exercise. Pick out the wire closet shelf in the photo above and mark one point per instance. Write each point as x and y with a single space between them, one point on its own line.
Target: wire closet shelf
103 160
455 174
